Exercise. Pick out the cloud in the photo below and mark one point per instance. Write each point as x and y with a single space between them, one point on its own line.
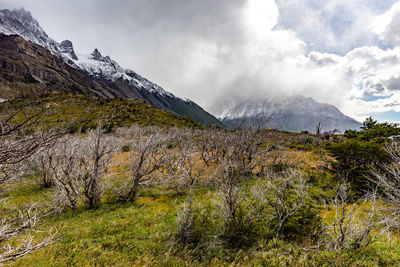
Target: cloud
367 73
219 52
331 26
387 25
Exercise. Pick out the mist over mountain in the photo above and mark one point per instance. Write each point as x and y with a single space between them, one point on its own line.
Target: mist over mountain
99 75
294 114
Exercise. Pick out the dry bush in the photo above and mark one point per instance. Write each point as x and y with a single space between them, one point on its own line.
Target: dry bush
236 209
178 162
146 157
244 149
388 183
283 197
39 166
357 224
77 166
14 149
214 145
20 225
194 225
241 146
186 224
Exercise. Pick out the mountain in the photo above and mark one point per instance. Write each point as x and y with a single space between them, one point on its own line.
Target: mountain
30 60
293 114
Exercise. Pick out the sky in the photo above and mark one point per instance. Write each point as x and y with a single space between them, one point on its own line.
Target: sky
341 52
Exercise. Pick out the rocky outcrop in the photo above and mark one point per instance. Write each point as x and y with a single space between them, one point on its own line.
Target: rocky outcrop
67 48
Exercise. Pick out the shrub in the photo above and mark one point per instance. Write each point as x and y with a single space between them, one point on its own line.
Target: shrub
126 148
193 225
287 209
355 158
240 229
305 224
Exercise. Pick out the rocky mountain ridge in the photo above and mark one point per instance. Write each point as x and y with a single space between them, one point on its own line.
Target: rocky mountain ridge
97 74
294 114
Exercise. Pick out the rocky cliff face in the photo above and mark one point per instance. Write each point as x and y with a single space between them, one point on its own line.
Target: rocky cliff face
29 56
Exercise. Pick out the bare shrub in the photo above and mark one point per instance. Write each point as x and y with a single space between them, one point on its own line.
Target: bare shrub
146 158
241 146
214 145
78 166
236 210
186 224
178 163
11 229
244 149
354 225
389 183
39 166
194 223
283 197
15 148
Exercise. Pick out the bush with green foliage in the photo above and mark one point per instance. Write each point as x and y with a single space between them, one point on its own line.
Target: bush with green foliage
361 152
194 225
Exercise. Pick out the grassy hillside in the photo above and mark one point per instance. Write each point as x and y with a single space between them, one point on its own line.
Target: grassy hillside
77 113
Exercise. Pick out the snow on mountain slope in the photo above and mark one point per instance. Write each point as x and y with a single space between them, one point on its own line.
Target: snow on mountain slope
98 66
21 22
295 114
110 78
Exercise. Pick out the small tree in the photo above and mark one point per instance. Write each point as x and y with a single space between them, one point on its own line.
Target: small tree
178 163
318 129
100 151
146 158
283 198
78 167
355 159
353 224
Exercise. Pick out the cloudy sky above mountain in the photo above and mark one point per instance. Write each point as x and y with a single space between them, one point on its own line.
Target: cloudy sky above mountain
342 52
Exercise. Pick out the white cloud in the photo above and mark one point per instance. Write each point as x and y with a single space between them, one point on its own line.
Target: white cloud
269 63
331 26
387 25
365 73
217 51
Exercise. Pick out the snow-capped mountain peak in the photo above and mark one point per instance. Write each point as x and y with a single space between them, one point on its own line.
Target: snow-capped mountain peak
97 55
93 73
296 113
67 48
21 22
26 19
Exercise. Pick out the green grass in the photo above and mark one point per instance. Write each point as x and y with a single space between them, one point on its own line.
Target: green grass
138 234
77 113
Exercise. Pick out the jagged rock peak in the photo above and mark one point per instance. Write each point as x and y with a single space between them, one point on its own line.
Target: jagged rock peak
23 14
96 54
26 19
67 47
67 44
